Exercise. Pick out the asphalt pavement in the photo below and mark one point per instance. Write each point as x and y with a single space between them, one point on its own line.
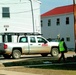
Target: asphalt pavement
5 72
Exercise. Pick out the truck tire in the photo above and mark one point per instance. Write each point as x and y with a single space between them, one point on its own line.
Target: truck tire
6 56
16 54
54 52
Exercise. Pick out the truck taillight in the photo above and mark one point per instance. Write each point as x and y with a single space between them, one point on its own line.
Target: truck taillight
5 46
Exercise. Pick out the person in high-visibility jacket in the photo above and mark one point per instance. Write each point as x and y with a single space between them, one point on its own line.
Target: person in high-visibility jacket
62 49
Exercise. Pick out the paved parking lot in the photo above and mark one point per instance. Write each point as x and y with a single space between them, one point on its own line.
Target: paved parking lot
5 72
28 57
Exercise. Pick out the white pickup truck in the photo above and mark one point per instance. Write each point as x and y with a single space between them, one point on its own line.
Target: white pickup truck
30 44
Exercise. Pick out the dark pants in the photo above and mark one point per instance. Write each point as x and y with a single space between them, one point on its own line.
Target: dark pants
62 56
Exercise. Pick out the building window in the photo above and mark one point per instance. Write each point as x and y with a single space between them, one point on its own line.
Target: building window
9 37
3 38
58 21
49 22
5 12
67 20
41 23
68 39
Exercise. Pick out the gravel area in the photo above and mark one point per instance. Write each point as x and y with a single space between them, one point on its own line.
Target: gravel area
41 71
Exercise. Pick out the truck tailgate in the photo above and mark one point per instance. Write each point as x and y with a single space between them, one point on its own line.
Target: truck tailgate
2 48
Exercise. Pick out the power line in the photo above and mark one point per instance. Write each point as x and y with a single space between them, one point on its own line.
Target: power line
22 11
15 3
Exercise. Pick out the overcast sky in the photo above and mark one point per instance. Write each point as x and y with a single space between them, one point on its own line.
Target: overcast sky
47 5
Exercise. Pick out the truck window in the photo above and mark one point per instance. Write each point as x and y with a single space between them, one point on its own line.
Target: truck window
32 40
23 40
41 40
9 37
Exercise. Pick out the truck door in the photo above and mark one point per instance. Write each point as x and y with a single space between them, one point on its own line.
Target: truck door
39 45
33 45
43 46
25 44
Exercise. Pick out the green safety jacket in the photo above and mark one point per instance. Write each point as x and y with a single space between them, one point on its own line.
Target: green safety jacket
61 46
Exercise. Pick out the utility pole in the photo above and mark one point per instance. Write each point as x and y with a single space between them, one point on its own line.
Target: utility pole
32 15
74 11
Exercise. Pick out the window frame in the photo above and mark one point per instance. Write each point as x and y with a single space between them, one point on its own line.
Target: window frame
67 20
49 22
5 12
58 21
68 39
6 38
41 23
9 38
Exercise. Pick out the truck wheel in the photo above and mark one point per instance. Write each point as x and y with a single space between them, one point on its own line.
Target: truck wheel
44 55
6 56
16 54
54 52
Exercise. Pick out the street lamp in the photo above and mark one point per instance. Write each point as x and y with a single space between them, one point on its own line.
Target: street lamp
32 15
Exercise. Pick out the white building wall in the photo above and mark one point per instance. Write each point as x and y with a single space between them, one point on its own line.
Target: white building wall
75 1
63 30
20 16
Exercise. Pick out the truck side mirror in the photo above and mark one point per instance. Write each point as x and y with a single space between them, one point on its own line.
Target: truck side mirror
45 42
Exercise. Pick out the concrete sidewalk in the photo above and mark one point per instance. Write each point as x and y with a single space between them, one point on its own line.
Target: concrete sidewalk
4 72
